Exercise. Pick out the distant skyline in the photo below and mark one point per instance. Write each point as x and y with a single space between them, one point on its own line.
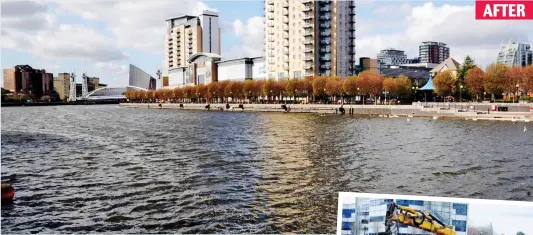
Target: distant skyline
104 36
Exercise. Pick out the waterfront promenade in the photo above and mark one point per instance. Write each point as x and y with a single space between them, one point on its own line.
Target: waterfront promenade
478 111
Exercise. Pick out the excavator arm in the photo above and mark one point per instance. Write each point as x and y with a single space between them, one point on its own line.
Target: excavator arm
404 215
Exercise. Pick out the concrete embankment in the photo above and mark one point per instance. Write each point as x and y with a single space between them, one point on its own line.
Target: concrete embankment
373 110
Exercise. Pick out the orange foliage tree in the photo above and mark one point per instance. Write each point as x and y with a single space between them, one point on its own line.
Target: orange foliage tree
319 85
369 82
444 83
474 81
494 78
527 80
513 77
403 85
334 87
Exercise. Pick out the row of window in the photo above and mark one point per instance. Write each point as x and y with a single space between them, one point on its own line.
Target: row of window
410 202
380 202
377 218
347 213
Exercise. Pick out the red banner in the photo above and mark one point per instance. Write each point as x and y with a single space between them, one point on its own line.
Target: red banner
504 10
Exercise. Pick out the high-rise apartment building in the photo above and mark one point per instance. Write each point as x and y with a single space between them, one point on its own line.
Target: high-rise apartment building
515 54
308 37
367 216
433 52
188 35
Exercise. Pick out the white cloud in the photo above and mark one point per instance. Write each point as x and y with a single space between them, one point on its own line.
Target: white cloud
111 67
453 25
134 24
252 37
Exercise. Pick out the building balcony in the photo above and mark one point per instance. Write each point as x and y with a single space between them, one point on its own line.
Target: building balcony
325 50
270 32
352 13
286 66
308 66
308 25
308 9
285 43
325 66
285 28
351 37
308 16
286 58
351 5
325 1
308 41
270 9
308 33
325 58
285 20
308 58
325 9
326 25
308 50
326 33
271 39
270 24
286 51
325 17
285 35
285 4
307 1
325 42
270 16
285 12
270 2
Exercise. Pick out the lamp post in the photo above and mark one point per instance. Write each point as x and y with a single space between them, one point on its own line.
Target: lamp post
295 93
461 93
414 93
517 87
484 94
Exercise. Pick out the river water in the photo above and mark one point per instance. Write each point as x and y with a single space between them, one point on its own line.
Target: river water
92 169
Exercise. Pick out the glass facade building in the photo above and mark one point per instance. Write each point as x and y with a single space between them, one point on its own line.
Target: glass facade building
367 216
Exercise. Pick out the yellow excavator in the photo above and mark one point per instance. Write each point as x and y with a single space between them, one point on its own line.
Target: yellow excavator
402 215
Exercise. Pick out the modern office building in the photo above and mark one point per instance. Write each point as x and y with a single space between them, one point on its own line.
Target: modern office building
390 57
369 215
141 79
515 54
308 37
433 52
188 35
205 68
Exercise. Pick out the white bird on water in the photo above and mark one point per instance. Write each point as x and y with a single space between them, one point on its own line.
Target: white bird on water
435 117
408 120
525 129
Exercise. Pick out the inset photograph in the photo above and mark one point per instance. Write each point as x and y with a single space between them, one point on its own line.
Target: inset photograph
379 214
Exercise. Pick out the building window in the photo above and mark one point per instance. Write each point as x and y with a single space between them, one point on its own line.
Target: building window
281 75
460 225
298 74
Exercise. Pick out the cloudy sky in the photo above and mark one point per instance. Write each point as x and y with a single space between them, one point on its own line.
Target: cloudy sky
507 217
105 36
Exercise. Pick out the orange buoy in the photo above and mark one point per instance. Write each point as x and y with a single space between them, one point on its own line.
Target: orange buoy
8 192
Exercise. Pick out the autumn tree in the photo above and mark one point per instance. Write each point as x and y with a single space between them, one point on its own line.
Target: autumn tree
403 85
201 92
247 88
444 83
268 87
527 80
334 87
238 89
257 88
177 94
319 85
513 77
474 81
211 90
279 88
494 78
188 92
389 84
369 82
349 86
290 87
221 89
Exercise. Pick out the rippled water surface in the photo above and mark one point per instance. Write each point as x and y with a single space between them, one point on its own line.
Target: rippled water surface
109 169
